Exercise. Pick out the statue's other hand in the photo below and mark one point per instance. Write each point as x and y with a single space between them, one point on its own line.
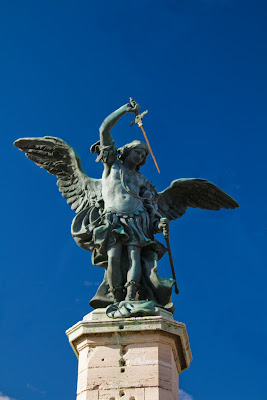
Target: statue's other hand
164 226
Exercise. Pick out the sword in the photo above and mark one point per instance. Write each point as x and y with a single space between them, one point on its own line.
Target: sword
167 238
138 120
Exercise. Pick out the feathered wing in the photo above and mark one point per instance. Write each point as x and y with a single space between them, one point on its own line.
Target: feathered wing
191 192
60 159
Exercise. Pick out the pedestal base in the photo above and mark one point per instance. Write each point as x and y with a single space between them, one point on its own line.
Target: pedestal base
129 358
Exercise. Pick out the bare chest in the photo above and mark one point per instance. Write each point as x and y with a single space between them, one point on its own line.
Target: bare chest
122 176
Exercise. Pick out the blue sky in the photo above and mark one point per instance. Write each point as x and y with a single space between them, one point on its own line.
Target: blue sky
199 66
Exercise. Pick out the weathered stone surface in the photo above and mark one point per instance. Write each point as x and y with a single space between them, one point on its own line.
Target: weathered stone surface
122 394
160 394
131 358
90 395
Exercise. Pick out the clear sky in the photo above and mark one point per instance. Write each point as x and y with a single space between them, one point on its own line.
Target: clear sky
199 66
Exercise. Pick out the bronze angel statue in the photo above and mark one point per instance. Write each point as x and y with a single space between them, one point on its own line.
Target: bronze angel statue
117 216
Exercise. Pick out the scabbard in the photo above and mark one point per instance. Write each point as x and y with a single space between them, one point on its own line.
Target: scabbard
167 238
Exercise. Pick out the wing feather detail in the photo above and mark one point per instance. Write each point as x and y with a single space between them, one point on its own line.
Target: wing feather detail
60 159
191 192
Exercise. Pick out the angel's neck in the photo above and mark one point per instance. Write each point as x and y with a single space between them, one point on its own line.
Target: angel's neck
130 165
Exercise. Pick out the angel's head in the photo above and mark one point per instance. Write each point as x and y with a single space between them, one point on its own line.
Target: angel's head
135 152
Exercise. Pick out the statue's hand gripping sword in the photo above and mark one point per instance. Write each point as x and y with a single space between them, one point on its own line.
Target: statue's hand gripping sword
139 121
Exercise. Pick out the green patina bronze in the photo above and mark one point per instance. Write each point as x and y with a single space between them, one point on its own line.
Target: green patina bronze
118 215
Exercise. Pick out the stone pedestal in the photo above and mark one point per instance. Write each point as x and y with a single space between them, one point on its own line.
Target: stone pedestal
138 358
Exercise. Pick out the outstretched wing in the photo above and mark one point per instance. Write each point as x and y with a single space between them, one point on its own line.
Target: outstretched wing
60 159
183 193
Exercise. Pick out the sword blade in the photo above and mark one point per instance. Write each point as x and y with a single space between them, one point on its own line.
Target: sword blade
152 154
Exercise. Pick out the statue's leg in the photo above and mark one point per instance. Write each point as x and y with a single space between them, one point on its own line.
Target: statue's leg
134 272
114 273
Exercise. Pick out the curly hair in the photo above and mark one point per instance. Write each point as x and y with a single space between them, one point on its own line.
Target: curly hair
125 150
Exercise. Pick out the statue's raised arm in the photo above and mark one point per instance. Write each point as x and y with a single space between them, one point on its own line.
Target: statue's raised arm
112 119
105 148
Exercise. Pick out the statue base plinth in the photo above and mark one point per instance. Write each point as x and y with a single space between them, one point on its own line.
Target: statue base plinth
136 358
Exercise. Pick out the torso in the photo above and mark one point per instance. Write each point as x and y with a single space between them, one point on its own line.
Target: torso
114 195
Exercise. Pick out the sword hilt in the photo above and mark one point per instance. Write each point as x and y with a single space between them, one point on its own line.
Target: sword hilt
138 119
138 116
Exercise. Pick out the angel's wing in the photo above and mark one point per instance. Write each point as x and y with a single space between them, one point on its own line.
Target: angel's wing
60 159
183 193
